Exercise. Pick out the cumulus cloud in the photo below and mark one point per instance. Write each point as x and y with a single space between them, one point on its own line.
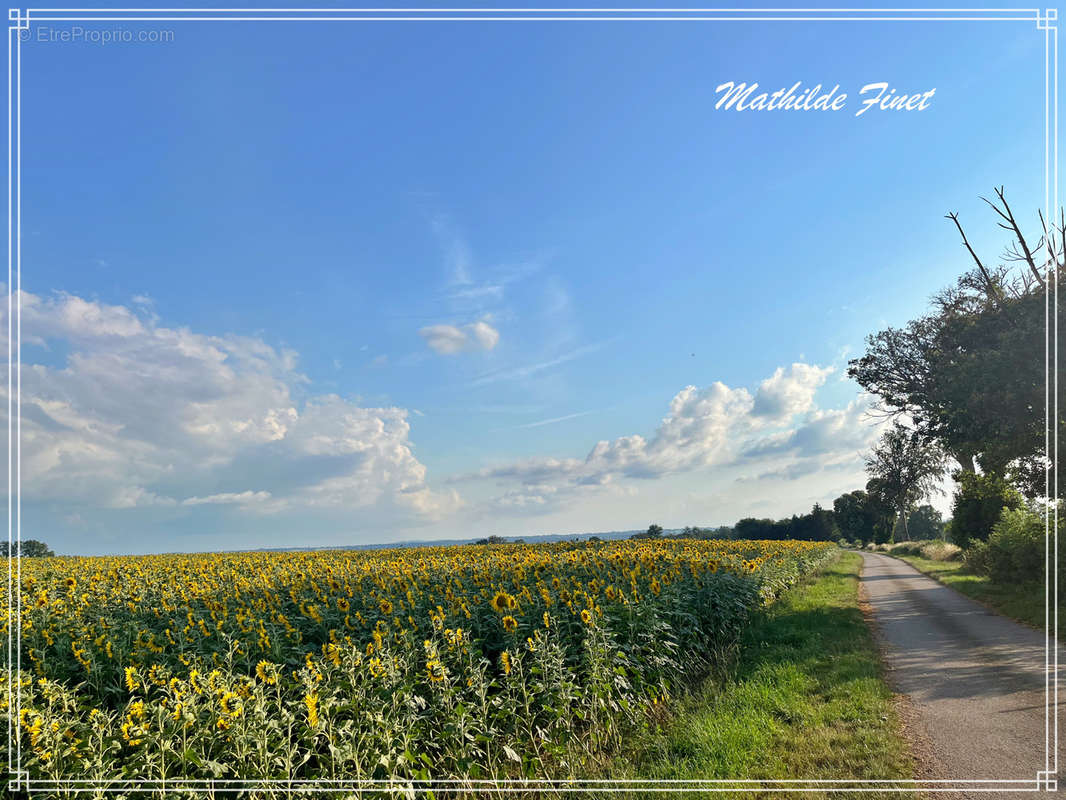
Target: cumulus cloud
696 432
790 392
716 426
824 431
448 340
142 415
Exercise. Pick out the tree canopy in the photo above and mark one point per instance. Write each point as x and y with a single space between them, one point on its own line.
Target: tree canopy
907 467
30 548
971 375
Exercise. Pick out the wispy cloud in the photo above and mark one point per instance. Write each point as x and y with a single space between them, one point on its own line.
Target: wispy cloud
457 254
448 340
553 420
514 373
487 291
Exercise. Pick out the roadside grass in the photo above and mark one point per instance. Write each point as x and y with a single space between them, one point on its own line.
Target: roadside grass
1022 601
805 699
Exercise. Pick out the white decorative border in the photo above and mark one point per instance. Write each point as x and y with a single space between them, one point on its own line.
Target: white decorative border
19 20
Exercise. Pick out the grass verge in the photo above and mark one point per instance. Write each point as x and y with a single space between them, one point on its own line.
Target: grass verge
806 699
1022 601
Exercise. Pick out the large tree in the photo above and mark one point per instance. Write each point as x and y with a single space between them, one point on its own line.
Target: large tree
971 374
31 548
653 532
907 467
925 522
863 517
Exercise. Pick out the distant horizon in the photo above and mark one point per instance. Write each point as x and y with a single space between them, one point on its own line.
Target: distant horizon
387 545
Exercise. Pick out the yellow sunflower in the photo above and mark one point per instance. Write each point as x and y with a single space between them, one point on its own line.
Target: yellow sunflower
231 704
265 672
435 670
502 602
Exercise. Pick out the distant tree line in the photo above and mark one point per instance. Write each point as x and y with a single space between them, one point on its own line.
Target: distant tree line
30 548
859 517
494 539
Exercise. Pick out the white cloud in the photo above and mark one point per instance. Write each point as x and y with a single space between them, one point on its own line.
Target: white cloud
141 415
489 291
786 393
228 498
136 497
823 431
716 426
450 339
696 432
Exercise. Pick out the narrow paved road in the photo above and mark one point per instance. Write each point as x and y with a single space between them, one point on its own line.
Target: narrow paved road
974 682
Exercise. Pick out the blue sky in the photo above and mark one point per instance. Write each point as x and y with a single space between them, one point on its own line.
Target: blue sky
314 283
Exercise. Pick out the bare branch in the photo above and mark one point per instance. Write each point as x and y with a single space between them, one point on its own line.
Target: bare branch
1008 215
993 290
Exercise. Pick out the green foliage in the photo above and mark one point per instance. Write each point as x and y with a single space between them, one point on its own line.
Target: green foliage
925 522
653 532
970 374
906 548
820 525
863 516
941 551
979 500
30 548
905 466
1015 551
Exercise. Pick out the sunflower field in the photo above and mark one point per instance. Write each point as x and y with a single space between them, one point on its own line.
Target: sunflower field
402 665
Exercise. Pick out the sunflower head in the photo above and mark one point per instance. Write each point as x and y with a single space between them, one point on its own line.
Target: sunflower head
502 602
264 670
586 616
510 624
435 670
230 703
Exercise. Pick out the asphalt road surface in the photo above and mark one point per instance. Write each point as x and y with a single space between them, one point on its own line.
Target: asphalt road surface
974 681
